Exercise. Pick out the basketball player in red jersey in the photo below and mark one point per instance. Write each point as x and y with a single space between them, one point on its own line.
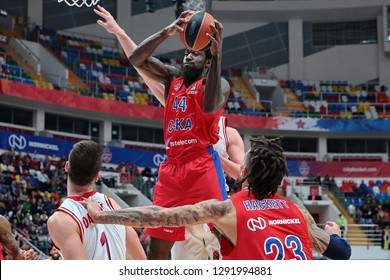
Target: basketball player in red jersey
194 98
198 250
256 223
10 243
72 231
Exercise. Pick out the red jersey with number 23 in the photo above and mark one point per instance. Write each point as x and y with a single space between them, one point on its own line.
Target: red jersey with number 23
269 229
187 128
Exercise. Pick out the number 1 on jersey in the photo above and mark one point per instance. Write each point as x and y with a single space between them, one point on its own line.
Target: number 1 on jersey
103 242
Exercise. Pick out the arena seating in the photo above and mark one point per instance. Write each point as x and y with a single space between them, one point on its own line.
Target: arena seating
339 99
10 70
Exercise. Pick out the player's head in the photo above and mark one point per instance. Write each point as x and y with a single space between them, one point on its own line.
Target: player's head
264 167
195 64
84 163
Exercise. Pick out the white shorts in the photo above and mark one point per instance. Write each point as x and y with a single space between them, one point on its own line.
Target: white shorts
200 244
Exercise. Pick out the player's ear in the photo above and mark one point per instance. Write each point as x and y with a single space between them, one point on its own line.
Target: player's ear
96 178
66 166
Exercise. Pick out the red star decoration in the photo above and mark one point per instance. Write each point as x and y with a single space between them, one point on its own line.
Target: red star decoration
300 124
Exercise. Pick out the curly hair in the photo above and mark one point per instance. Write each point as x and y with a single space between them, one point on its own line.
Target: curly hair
266 166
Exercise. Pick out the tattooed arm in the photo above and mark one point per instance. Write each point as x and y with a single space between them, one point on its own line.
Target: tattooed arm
9 240
318 237
210 211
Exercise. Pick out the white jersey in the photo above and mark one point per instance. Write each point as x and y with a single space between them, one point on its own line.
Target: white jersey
221 146
100 241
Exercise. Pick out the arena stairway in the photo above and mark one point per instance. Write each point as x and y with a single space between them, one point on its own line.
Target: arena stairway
247 94
22 63
292 101
355 235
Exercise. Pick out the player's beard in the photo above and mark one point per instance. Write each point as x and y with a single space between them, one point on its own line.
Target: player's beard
192 75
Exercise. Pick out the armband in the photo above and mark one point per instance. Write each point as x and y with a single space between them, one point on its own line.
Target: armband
338 248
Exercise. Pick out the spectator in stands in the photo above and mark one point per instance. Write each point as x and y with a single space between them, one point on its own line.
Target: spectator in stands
326 182
363 188
55 254
380 216
352 211
341 222
147 172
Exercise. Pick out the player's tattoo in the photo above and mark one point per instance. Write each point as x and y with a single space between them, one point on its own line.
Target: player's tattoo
7 238
154 216
319 238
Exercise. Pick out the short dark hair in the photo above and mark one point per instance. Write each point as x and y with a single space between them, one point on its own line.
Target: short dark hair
85 161
266 165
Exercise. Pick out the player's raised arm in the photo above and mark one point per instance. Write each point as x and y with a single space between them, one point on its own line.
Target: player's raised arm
128 45
217 89
151 66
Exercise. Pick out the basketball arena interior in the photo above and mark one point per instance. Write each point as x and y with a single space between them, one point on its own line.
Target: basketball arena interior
313 71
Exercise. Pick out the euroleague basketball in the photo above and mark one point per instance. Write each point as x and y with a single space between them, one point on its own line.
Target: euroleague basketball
194 34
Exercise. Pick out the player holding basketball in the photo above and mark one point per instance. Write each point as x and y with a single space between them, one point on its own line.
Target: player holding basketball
202 240
10 243
194 99
256 223
72 231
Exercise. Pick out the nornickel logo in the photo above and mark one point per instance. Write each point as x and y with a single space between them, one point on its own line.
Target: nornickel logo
255 224
18 142
158 158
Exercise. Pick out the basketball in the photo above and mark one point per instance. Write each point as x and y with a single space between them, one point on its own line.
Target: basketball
194 34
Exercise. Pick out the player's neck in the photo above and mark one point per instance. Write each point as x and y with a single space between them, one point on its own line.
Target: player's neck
74 190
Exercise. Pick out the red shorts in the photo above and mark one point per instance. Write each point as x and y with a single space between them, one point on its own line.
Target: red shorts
188 180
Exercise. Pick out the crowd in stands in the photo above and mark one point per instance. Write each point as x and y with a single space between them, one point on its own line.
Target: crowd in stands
31 189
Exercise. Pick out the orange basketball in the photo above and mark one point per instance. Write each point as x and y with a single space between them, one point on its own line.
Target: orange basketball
194 34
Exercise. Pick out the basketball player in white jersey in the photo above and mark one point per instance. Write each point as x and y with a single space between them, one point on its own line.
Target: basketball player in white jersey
72 231
203 243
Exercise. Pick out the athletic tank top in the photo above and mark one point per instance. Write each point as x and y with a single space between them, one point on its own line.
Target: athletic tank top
100 241
1 252
268 229
221 146
186 128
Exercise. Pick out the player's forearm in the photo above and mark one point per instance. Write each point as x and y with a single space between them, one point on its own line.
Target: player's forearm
213 91
231 168
158 89
147 47
125 41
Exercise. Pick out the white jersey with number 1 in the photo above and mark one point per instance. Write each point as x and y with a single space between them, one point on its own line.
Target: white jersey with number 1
100 241
221 146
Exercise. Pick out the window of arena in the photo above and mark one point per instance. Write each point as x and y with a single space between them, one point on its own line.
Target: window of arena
17 116
345 33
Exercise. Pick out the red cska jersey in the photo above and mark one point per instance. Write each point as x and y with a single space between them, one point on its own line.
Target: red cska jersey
186 128
269 229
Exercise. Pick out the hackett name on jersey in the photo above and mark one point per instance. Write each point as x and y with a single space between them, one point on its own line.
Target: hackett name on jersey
264 204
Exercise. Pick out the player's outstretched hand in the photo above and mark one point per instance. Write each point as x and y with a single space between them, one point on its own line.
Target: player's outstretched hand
93 209
109 22
332 228
176 26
